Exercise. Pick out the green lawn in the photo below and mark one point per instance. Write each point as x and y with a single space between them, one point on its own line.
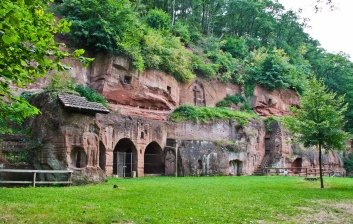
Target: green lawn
246 199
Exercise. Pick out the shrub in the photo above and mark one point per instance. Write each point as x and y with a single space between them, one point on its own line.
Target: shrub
204 114
348 163
199 66
104 26
158 19
165 52
268 122
27 95
236 47
182 31
231 99
60 81
90 94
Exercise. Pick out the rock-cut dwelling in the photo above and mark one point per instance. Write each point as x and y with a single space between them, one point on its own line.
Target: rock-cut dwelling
135 138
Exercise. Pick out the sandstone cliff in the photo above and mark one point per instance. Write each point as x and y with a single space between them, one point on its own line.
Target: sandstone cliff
136 138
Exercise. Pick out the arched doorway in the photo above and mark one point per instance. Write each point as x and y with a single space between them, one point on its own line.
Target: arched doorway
78 157
297 163
102 157
153 159
235 167
124 159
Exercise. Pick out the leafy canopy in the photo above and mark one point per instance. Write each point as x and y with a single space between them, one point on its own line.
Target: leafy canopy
319 118
27 52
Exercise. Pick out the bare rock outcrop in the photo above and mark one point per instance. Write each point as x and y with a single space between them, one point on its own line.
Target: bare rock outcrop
122 86
206 93
284 153
277 102
69 140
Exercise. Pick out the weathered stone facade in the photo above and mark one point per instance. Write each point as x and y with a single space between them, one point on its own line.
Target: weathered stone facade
276 103
135 138
284 153
70 140
87 143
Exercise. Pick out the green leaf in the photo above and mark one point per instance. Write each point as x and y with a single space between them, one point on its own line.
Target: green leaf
7 39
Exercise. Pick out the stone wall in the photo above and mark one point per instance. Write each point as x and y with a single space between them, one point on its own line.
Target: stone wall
139 132
96 145
237 151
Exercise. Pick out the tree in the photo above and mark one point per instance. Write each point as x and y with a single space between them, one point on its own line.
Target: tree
318 120
27 52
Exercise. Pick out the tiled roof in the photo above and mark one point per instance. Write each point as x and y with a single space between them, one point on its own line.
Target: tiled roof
78 103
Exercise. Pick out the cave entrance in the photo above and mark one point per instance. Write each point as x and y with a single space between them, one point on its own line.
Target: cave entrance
235 167
154 161
102 156
297 164
124 158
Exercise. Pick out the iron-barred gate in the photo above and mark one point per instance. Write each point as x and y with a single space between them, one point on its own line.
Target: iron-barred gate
124 163
154 164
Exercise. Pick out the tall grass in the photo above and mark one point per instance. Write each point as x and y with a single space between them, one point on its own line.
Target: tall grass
183 200
204 114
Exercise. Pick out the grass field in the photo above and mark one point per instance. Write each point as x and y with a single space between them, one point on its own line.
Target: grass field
245 199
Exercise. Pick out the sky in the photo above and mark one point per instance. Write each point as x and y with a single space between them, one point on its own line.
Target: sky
333 29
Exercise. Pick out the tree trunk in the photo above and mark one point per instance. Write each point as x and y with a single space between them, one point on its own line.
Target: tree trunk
320 166
173 20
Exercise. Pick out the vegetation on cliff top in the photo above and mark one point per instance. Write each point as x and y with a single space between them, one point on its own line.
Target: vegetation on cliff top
62 83
243 42
204 114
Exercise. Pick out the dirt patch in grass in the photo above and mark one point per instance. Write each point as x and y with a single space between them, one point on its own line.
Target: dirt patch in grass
5 218
325 212
348 208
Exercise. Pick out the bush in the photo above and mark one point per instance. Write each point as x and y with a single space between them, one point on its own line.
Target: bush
199 66
165 52
158 19
348 163
90 94
182 31
231 99
27 95
60 81
236 47
204 114
268 122
104 26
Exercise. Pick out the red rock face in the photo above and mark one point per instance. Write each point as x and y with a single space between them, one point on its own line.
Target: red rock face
276 103
205 93
152 94
140 103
